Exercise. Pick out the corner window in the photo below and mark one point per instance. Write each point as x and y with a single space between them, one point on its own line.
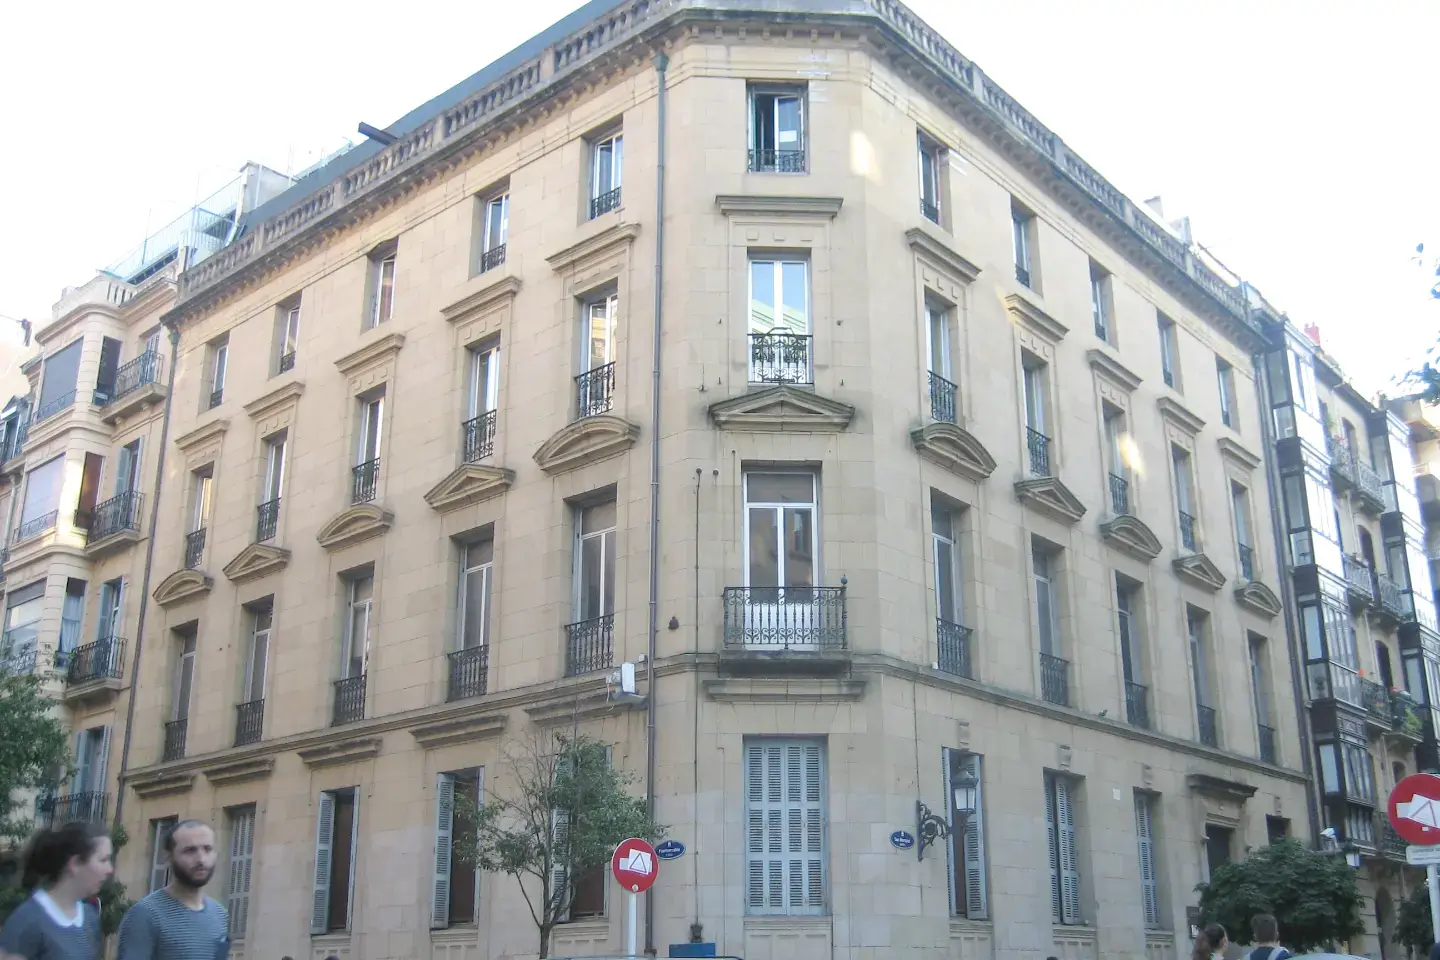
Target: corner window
605 169
779 321
60 376
777 129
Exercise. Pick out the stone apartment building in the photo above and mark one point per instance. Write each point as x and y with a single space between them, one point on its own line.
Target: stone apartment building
941 415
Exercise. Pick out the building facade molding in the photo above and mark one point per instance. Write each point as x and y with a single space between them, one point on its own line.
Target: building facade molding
460 730
242 770
273 402
255 561
1050 497
782 409
1258 598
586 441
497 296
468 484
930 247
206 433
776 205
1199 570
162 783
1174 413
954 448
337 752
182 586
371 356
353 525
1237 455
1036 321
1131 535
785 690
606 243
1113 370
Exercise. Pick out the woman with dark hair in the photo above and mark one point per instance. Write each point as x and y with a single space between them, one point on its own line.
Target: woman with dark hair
1211 943
65 866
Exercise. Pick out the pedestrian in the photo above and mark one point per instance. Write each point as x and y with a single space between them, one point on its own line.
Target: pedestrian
178 921
1210 945
65 866
1265 934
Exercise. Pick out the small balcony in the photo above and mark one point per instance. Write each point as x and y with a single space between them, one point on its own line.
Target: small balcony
94 671
942 399
778 357
249 722
469 673
930 211
1267 743
175 731
363 480
1377 704
217 397
1137 705
1022 275
1055 679
1389 598
31 529
287 361
349 700
590 645
85 807
1247 562
58 405
267 518
1119 495
1359 581
606 202
138 384
1406 723
595 391
116 523
801 628
477 437
1342 463
954 648
780 161
1038 446
1207 725
1189 537
492 258
1369 488
194 548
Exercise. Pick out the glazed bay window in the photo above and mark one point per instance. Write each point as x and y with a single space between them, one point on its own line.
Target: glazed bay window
380 304
968 882
267 514
605 170
1022 235
495 231
1101 304
201 482
1185 500
359 591
1035 377
1128 620
1197 629
777 129
250 712
779 321
1240 507
952 636
786 855
287 333
1054 671
40 509
590 640
482 399
181 691
470 661
595 386
337 833
944 406
932 162
370 426
454 886
1060 832
1117 439
240 825
1169 351
217 359
1225 378
1331 660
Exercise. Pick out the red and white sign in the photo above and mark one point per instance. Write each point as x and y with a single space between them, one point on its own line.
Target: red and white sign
635 864
1415 809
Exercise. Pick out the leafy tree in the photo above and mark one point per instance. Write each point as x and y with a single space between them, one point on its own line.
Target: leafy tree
557 817
1412 921
113 902
1312 895
33 749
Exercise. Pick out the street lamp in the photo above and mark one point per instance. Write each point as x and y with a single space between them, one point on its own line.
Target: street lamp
930 827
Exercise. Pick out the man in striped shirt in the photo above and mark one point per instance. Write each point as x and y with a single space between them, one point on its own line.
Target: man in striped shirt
178 922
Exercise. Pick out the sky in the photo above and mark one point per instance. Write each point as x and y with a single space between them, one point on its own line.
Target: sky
1299 137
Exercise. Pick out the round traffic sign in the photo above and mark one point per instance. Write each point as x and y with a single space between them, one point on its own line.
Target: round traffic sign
635 864
1415 809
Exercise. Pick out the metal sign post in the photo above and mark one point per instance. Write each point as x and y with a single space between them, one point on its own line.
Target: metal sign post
1414 810
635 865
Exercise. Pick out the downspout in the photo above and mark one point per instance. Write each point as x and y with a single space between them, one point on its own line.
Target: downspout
661 63
145 577
1287 592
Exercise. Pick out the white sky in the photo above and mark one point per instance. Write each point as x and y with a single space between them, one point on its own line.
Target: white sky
1299 137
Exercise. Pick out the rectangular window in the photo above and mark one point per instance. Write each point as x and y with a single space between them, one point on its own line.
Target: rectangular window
382 285
261 616
287 334
109 366
779 321
1116 440
184 674
359 598
595 387
42 498
1169 352
595 561
932 161
1022 229
274 468
92 758
1037 440
1145 839
474 613
1197 629
159 862
1240 507
495 231
241 825
483 392
1359 772
1276 828
61 374
1060 818
1218 843
72 613
944 527
111 612
781 537
372 422
1125 603
968 884
200 483
937 339
22 624
1046 607
777 129
453 886
127 468
336 839
587 891
785 830
218 356
1225 376
605 169
89 497
1100 300
1184 500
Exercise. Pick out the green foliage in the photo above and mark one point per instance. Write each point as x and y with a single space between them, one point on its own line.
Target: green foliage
563 811
1312 895
33 750
1412 921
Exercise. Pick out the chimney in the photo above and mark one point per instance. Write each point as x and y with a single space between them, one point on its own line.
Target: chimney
1313 332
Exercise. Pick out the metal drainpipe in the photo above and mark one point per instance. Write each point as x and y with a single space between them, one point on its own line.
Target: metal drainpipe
661 63
145 577
1287 592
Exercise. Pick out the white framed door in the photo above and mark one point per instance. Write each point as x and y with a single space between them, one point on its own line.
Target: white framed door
781 546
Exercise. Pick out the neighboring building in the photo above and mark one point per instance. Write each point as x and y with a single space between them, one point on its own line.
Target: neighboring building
79 452
971 442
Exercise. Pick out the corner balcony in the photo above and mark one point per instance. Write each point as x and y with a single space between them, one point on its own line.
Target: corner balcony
1377 705
801 630
54 407
1359 582
93 672
1406 723
116 524
85 807
31 529
138 384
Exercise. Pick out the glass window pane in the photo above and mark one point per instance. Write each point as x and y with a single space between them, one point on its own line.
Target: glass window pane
945 579
780 488
597 516
602 333
476 597
787 123
764 548
795 315
591 585
762 296
799 548
940 521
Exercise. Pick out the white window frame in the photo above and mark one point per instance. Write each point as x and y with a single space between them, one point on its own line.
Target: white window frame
777 93
241 822
1020 225
483 377
496 233
777 309
606 536
92 760
779 509
1169 352
111 609
365 608
1035 388
274 467
127 466
1128 634
382 307
943 544
262 627
771 816
606 310
485 570
614 144
219 361
1259 680
937 339
1062 838
324 852
931 157
1045 586
159 861
184 690
1225 376
289 331
204 480
371 433
1099 301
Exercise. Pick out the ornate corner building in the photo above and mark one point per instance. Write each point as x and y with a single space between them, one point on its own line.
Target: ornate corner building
966 468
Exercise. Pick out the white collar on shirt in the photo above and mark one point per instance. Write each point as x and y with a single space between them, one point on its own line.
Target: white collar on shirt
58 915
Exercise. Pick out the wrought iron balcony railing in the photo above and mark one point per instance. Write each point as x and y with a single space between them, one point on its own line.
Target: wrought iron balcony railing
33 528
1167 373
605 203
84 807
349 700
1137 704
1247 562
469 673
267 518
175 731
102 660
1267 743
1342 462
930 211
249 721
595 391
194 548
143 371
1370 487
942 399
287 361
18 660
590 645
1055 679
1119 495
1188 539
1022 274
780 358
492 258
477 437
785 619
116 515
1377 703
1405 718
63 402
1038 446
1209 727
217 396
1389 594
777 161
363 477
954 648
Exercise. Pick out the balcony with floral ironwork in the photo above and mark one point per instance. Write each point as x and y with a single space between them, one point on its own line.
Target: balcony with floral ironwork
1137 705
116 522
1266 736
1342 463
138 384
780 357
605 203
469 673
942 399
249 721
349 700
953 643
595 391
194 548
1055 679
589 645
93 671
1207 725
364 478
1119 495
175 732
777 161
477 437
785 629
1392 845
1369 488
1377 704
1038 446
84 807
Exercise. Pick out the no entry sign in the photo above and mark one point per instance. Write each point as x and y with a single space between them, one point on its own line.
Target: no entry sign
1415 809
635 865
